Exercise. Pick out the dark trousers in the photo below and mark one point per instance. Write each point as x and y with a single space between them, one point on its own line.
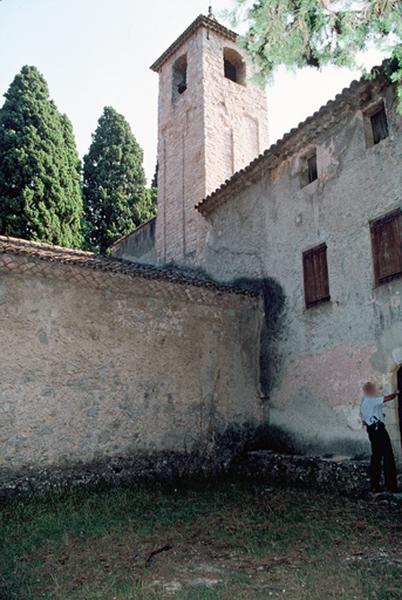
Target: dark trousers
381 456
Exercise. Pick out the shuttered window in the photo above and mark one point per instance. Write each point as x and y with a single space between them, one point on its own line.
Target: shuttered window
315 271
386 242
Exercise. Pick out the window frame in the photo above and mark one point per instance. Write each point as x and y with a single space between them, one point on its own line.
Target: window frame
375 225
325 297
368 115
305 172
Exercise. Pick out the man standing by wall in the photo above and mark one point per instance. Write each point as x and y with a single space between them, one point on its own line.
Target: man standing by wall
381 448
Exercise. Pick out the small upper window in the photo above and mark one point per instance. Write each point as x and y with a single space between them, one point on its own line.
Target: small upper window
312 168
386 235
234 67
379 125
376 125
179 77
309 171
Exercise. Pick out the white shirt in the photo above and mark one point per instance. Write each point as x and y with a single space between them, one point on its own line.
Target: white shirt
371 409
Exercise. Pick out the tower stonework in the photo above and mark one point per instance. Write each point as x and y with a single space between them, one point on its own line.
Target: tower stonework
212 121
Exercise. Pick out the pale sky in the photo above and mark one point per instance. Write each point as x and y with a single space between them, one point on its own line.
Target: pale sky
95 53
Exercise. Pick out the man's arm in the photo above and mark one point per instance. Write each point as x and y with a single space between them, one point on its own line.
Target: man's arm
391 396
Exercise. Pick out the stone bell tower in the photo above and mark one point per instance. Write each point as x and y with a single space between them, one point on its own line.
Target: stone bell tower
212 121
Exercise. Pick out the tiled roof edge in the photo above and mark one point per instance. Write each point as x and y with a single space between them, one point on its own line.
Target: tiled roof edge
89 260
272 152
200 21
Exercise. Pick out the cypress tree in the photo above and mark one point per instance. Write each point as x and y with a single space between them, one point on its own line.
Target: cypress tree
114 181
147 207
40 197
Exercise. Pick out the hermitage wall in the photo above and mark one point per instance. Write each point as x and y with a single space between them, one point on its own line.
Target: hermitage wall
99 364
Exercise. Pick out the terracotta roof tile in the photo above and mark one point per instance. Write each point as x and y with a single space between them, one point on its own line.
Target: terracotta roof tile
89 260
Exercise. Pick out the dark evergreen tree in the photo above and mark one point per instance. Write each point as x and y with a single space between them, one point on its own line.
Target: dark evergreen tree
146 208
114 182
72 180
40 196
154 183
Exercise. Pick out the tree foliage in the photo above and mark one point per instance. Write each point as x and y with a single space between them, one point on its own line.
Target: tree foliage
148 204
296 33
115 197
40 196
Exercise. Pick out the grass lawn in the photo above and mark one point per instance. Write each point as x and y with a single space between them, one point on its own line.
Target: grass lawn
223 542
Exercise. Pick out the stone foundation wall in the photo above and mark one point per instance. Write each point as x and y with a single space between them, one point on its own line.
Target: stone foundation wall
342 476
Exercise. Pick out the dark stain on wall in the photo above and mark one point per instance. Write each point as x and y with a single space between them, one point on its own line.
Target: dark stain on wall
273 297
274 312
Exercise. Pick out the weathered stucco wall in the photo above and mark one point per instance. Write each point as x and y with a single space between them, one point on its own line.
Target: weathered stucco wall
96 365
325 352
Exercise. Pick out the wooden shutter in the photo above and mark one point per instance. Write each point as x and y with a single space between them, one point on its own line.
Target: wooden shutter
386 242
379 125
315 270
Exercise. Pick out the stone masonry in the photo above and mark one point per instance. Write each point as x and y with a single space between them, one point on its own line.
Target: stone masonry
109 361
